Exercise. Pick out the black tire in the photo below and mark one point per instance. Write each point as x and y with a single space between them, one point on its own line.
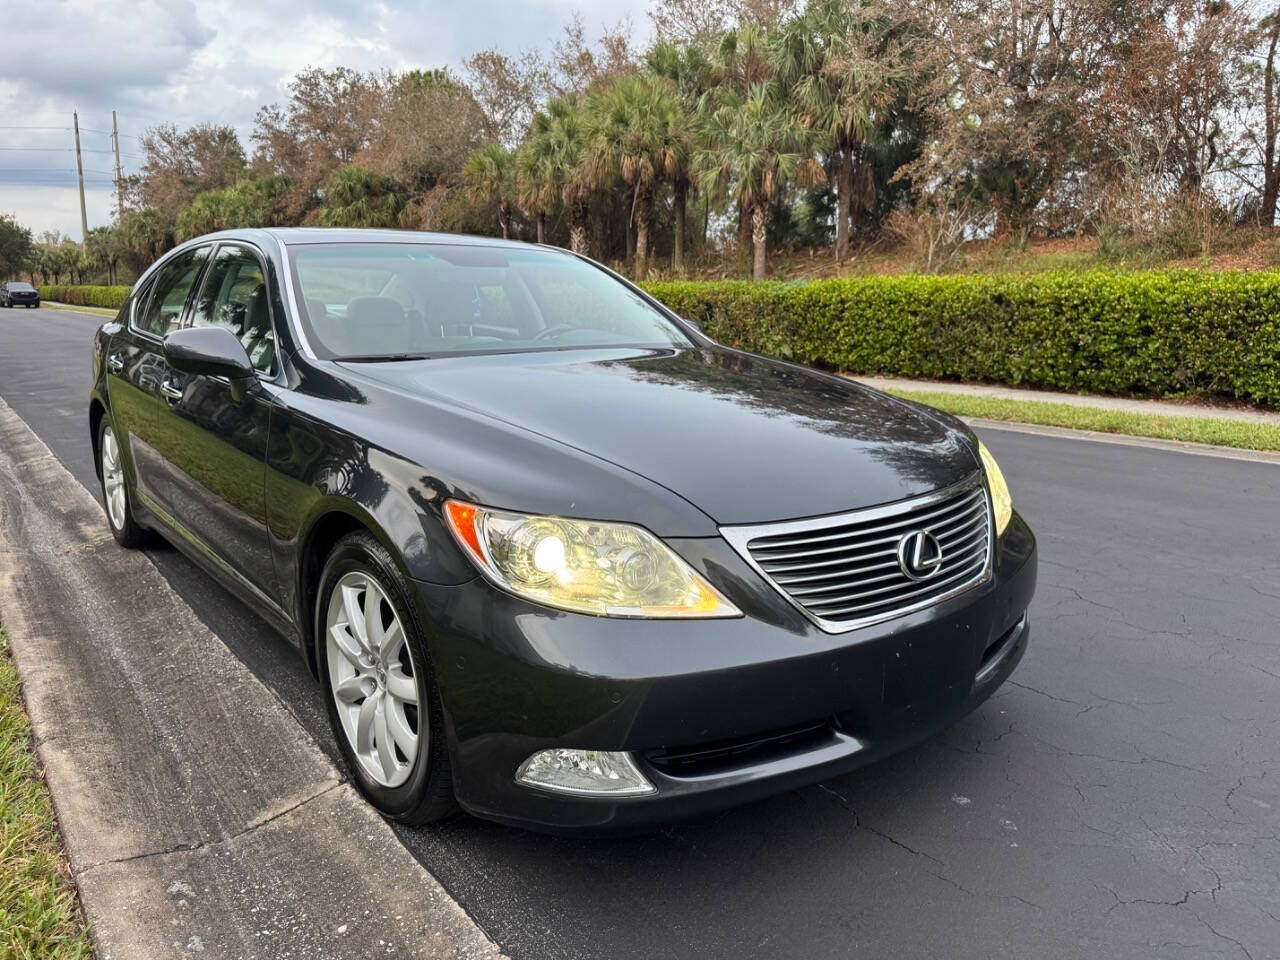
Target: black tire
427 794
128 533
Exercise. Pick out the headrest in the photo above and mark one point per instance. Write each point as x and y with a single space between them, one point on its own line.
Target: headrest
377 325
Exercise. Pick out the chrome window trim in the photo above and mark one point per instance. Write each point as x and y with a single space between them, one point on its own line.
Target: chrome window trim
738 536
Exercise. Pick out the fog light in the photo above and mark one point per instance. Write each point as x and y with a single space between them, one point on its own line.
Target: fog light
600 773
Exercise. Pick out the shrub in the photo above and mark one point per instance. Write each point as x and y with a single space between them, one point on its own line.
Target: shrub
1155 333
84 295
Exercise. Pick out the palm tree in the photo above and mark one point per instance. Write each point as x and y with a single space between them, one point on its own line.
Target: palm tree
845 69
535 173
633 133
562 128
355 196
489 175
689 71
744 58
754 146
142 235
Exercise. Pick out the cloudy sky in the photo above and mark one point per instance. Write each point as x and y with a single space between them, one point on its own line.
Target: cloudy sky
194 61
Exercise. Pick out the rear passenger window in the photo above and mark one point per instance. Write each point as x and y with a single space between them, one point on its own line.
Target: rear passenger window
163 311
234 295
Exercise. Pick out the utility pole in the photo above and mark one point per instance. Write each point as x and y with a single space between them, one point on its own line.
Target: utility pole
115 145
84 217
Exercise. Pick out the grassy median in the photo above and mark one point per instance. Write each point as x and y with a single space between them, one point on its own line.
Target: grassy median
1223 433
39 915
99 311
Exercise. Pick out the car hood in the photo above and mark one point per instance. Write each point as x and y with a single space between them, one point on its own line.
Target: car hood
743 438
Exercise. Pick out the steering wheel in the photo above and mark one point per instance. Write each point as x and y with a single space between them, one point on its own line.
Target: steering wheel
554 331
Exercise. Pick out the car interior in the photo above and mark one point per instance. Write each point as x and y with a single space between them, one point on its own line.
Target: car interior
416 300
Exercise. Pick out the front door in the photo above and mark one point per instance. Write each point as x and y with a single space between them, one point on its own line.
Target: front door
136 368
215 432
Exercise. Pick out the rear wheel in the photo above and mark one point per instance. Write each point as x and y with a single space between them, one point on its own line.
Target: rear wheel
115 491
382 698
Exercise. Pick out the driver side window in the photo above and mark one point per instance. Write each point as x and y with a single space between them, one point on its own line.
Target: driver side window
234 295
163 311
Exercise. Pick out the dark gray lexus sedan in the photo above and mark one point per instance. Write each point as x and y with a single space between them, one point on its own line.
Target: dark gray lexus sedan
556 556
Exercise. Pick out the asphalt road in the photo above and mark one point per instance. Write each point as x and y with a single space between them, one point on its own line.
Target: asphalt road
1119 798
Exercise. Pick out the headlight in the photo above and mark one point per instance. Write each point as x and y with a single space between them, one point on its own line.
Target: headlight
1001 502
607 569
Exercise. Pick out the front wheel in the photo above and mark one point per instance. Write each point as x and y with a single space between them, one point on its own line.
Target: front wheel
382 699
115 491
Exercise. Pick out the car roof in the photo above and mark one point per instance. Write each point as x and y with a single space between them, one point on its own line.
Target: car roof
300 235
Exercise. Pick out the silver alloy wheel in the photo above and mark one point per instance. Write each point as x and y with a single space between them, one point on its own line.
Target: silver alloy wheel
373 679
113 479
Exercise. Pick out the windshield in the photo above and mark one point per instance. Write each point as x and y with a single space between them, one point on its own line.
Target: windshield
389 300
21 287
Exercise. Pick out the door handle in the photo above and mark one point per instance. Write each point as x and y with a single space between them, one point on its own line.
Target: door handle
171 392
115 363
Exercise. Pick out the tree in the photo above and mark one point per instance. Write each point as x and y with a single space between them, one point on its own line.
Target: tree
15 246
330 117
536 175
141 236
355 196
489 175
754 146
577 68
689 70
179 164
847 66
1268 147
507 90
428 123
1021 77
103 251
635 133
701 23
1164 121
250 203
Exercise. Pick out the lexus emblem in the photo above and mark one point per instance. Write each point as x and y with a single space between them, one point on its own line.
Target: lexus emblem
920 555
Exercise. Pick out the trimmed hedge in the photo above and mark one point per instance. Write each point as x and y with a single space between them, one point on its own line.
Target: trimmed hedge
1157 333
85 295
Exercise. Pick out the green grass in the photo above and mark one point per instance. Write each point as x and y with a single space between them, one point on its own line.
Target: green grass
1224 433
39 916
100 311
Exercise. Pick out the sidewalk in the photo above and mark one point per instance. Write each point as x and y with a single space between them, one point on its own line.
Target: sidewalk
199 818
1152 407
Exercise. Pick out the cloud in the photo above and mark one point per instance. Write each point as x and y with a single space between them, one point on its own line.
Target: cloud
217 61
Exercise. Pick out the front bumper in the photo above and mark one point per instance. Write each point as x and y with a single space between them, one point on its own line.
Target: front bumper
716 712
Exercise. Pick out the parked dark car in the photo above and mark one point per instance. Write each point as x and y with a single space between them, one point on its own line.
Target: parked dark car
557 556
18 294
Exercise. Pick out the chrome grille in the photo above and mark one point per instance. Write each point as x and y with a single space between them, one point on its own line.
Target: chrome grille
844 571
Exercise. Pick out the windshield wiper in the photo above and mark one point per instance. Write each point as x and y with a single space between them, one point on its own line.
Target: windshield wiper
384 357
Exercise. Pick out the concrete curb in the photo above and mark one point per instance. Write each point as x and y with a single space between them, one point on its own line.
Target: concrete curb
199 817
1126 404
1125 440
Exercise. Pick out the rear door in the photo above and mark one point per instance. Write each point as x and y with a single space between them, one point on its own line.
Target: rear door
136 369
212 435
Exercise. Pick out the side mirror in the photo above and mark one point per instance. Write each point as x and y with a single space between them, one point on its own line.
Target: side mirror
210 351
